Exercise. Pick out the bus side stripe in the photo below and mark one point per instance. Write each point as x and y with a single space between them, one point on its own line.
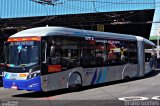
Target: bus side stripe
94 77
104 75
99 76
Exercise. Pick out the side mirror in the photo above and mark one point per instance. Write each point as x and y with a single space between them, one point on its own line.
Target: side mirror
5 52
44 51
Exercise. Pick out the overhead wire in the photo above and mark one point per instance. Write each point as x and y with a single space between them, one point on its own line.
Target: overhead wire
114 2
99 6
46 18
95 9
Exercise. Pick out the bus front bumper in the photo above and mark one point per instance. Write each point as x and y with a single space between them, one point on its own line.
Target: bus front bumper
33 84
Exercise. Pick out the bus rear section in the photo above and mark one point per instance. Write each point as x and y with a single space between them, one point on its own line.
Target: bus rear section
150 57
146 56
23 64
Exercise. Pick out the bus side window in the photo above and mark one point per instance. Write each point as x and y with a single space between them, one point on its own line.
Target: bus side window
132 52
101 54
87 54
53 56
117 52
70 53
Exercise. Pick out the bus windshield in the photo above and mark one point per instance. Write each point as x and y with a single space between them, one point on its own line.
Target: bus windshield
24 53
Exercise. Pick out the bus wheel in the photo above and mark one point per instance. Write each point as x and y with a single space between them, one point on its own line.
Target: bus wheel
75 82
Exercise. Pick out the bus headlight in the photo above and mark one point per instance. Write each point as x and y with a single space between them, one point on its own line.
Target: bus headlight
33 74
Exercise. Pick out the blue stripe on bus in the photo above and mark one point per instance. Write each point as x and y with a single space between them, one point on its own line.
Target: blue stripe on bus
104 75
99 76
94 77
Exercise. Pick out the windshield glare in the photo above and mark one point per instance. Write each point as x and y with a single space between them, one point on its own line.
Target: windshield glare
24 53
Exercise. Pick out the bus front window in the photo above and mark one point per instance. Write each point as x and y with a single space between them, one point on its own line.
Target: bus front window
25 53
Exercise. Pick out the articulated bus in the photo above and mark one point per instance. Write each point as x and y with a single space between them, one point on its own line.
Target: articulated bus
52 58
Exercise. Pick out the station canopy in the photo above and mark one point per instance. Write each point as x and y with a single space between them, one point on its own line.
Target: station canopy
119 16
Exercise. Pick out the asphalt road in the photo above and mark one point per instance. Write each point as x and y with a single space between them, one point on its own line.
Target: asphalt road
107 94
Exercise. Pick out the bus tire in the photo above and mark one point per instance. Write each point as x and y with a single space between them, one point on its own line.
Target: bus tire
75 82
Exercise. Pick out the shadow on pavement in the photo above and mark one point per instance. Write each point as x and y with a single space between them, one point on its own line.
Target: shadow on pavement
42 94
152 74
64 91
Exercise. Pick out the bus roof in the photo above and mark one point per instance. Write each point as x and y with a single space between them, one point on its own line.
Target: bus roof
149 42
52 31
